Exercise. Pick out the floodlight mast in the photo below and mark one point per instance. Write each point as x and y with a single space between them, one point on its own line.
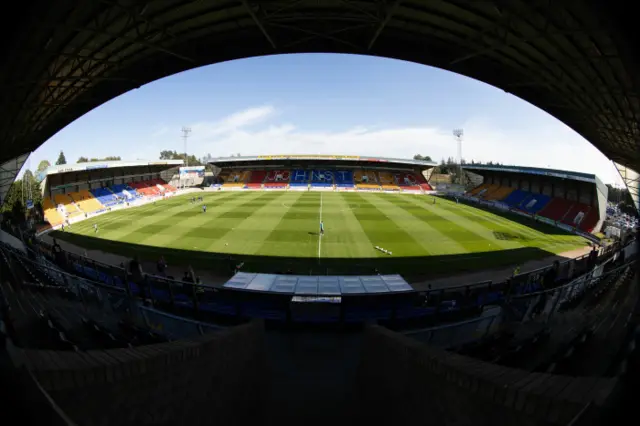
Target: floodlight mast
185 136
458 134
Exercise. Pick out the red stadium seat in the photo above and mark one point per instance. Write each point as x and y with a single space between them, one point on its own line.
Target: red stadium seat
556 209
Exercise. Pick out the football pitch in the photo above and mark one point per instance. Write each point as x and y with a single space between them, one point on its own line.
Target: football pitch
278 231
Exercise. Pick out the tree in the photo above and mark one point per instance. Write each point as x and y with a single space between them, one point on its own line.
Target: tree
423 158
82 160
43 165
168 155
61 159
173 155
17 212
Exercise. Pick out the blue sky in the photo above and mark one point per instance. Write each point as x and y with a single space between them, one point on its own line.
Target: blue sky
325 104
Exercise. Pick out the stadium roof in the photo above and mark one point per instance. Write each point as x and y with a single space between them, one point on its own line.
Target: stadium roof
577 60
312 157
66 168
563 174
632 180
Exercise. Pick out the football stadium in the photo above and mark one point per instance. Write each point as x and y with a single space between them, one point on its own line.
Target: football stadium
307 288
377 214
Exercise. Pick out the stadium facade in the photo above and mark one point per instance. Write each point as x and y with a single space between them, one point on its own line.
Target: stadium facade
73 192
323 172
572 201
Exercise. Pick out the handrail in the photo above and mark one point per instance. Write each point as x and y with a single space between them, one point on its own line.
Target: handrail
452 325
575 281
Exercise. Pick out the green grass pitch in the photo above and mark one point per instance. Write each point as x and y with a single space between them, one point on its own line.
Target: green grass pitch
274 231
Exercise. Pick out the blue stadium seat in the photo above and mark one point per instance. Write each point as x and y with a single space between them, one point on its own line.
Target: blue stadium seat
534 203
516 197
118 191
321 178
299 177
344 178
105 196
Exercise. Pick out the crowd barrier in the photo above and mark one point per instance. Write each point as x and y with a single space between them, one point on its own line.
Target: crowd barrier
457 334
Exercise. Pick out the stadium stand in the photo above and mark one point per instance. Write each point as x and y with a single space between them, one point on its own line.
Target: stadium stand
86 201
581 216
105 196
344 178
477 189
321 178
123 191
534 203
487 191
513 199
256 179
423 182
148 188
409 181
499 193
277 179
556 209
299 178
387 181
365 179
169 187
236 179
69 205
51 214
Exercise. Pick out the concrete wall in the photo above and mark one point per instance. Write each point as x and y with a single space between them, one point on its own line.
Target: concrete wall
401 381
211 379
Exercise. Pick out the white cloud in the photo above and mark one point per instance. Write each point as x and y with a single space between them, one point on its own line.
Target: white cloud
233 122
553 145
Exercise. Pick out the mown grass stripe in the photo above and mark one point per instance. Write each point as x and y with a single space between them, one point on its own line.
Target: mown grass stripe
390 229
535 238
463 222
297 232
248 235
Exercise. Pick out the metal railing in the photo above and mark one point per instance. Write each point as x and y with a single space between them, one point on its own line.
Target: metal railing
108 287
116 302
460 333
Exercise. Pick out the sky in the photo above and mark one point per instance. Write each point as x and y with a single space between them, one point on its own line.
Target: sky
325 104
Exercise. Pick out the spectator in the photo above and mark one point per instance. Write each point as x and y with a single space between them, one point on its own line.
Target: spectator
137 276
56 247
516 271
550 277
592 259
162 266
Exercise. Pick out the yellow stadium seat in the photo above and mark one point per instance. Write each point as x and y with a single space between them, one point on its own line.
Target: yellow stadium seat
68 204
50 213
86 201
477 189
365 177
367 186
500 194
386 178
